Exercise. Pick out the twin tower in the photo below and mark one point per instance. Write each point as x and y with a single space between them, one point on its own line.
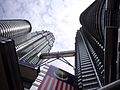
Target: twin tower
97 50
21 47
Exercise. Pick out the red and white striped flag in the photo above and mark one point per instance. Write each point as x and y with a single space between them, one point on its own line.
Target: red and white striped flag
51 82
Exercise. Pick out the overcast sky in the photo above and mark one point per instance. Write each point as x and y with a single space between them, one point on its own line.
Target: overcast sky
61 17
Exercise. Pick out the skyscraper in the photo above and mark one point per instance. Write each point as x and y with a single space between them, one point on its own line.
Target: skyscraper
29 45
29 50
33 44
96 47
14 28
10 77
97 64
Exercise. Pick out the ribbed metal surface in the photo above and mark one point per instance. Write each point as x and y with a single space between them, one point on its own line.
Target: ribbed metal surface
40 77
12 28
86 74
29 46
30 49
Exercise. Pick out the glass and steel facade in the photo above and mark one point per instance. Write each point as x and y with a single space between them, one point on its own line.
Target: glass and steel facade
13 28
30 49
29 45
97 46
10 77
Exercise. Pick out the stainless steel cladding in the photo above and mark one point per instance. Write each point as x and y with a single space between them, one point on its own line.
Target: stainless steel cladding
29 45
33 45
13 28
